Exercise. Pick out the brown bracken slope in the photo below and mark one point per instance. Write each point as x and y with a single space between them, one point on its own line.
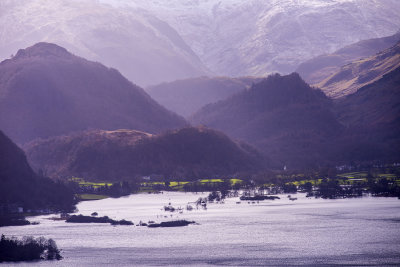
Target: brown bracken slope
188 153
317 69
362 72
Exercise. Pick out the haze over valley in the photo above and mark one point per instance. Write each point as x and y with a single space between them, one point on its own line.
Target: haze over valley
200 132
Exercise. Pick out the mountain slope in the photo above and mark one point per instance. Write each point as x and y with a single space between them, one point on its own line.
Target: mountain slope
187 96
45 91
282 116
187 153
258 37
359 73
21 186
372 119
144 48
321 67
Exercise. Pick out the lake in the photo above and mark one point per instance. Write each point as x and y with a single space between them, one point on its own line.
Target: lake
359 231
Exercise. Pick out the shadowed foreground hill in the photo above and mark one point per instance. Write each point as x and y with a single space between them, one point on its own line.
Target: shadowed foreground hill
187 96
372 120
22 187
46 91
125 154
282 116
319 68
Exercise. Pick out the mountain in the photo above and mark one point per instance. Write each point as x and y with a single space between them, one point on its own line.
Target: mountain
22 187
372 120
282 116
188 153
321 67
187 96
145 49
152 41
361 72
46 91
258 37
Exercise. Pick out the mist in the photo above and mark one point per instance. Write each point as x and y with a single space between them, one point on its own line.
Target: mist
152 42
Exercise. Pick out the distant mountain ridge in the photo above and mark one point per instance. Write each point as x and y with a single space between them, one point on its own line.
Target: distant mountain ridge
142 47
46 91
152 41
321 67
361 72
187 96
188 153
258 37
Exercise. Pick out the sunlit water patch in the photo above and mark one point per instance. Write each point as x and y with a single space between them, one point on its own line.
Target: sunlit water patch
361 231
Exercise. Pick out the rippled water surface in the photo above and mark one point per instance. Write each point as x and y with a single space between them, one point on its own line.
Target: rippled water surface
362 231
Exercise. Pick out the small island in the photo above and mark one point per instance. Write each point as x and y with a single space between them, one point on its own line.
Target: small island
13 220
28 249
171 224
91 219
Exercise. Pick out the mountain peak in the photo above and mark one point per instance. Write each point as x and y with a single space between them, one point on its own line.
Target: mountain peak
293 78
277 90
43 49
278 81
53 92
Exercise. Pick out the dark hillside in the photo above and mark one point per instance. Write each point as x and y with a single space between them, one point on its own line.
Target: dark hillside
282 116
372 120
187 153
20 186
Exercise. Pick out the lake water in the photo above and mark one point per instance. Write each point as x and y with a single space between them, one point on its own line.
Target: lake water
361 231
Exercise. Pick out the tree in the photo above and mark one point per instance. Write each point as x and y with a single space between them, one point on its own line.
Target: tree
307 187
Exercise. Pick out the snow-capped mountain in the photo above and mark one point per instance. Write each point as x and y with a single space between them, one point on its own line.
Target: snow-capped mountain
255 37
152 41
144 48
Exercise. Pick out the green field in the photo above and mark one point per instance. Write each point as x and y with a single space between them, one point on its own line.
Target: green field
90 196
174 184
204 181
236 181
82 182
179 185
313 182
349 178
353 175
